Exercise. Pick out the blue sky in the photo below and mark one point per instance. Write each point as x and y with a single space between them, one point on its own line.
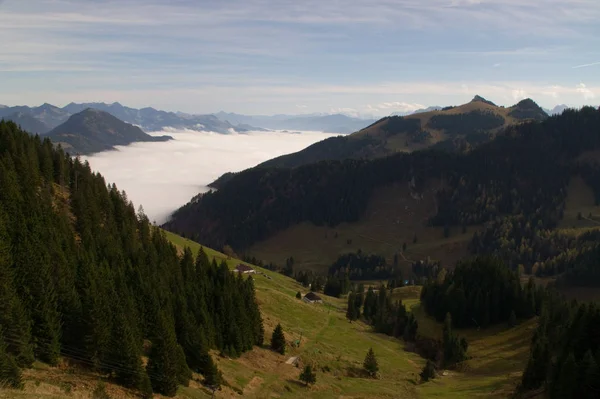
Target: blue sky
364 57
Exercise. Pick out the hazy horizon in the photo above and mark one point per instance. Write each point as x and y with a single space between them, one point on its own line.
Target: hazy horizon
163 176
258 57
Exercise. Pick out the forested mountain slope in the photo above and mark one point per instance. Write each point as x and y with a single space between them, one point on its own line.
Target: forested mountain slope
520 180
85 277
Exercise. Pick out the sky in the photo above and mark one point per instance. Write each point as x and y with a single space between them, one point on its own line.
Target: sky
166 175
359 57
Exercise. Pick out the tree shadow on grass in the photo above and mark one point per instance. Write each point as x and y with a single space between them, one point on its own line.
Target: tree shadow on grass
356 372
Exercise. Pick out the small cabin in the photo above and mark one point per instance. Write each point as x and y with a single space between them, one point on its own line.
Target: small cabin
244 269
311 297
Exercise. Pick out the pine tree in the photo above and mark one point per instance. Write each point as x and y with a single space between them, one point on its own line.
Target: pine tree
212 375
184 374
162 363
125 350
298 295
370 363
566 383
351 312
13 319
428 372
10 374
308 376
512 319
589 377
278 340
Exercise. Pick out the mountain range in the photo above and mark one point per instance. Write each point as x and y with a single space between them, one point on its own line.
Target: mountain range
457 128
149 119
92 130
336 123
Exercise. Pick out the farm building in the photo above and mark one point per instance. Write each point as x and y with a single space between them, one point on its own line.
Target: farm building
244 269
311 297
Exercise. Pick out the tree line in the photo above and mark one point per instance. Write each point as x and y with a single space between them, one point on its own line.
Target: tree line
83 276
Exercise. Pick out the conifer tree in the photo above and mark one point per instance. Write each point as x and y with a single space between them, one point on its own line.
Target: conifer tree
566 383
370 363
512 319
162 365
212 376
588 377
184 374
13 319
278 340
537 365
10 374
351 312
125 352
428 372
308 376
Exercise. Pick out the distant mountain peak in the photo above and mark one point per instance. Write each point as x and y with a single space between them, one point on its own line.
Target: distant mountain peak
528 109
478 98
93 130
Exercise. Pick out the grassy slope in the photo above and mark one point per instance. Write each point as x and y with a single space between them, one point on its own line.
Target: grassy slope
335 346
397 142
391 219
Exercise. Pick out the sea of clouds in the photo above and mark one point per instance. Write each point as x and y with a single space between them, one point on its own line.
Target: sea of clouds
163 176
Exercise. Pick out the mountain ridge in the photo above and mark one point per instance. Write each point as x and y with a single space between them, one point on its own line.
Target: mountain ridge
92 130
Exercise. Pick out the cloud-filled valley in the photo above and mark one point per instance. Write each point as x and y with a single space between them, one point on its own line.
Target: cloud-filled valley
163 176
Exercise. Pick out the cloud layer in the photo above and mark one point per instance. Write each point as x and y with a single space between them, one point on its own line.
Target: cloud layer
164 176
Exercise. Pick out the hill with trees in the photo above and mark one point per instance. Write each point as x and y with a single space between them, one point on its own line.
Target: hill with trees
499 187
84 276
92 131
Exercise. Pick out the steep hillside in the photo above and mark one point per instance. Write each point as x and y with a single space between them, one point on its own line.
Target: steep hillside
335 348
498 187
88 284
463 127
93 131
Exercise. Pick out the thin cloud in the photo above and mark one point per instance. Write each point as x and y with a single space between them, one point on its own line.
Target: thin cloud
586 65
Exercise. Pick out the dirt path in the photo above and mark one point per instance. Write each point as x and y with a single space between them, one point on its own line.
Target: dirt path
252 385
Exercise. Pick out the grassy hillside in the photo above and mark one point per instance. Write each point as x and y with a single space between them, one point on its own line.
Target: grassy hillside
463 126
393 217
328 341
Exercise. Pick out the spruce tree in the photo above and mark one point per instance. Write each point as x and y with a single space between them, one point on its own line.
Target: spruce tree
278 340
428 372
298 295
589 377
512 319
212 376
184 374
370 363
308 376
125 352
13 318
566 383
162 365
10 374
351 313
